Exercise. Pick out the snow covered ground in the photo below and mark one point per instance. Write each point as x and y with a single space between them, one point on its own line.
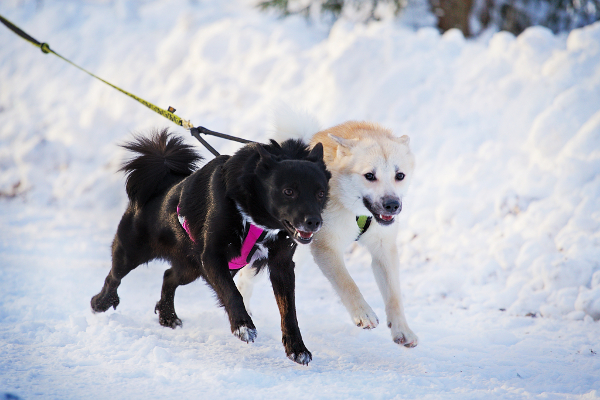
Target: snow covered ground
500 242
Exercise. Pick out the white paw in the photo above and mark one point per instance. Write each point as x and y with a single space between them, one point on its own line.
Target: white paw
245 334
301 358
365 318
404 336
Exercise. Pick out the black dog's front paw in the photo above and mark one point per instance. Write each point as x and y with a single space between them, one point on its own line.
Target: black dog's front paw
245 334
303 357
297 351
102 302
167 318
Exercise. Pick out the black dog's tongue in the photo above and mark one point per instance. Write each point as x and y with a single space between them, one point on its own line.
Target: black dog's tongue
304 235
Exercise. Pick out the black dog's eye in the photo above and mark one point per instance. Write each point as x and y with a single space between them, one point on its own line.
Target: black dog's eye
370 176
288 192
400 176
321 194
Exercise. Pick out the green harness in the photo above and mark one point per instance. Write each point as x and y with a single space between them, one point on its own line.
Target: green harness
363 222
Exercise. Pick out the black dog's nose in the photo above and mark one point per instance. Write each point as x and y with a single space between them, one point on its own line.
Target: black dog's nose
313 223
392 206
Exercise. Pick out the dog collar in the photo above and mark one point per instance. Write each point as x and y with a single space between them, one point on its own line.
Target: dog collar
253 236
363 222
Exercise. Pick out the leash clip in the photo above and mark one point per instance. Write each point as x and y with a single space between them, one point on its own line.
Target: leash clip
187 124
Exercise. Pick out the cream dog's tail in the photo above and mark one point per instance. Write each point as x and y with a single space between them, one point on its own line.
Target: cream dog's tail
292 123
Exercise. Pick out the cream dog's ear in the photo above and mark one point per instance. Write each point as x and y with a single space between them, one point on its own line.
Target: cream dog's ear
346 143
404 139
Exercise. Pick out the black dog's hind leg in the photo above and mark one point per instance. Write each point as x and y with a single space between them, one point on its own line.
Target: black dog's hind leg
178 274
281 273
124 259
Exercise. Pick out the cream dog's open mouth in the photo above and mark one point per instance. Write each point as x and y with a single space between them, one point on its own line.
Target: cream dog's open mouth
383 219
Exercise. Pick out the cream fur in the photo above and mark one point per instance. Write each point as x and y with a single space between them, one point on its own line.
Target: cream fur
351 150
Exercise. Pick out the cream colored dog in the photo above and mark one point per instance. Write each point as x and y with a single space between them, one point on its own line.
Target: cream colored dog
371 171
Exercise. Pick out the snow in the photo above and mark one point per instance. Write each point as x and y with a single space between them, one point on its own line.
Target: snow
500 238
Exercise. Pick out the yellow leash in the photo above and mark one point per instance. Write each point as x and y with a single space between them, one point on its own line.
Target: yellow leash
45 47
169 114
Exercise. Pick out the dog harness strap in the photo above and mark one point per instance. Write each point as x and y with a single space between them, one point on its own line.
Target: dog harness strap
184 224
254 235
255 247
363 223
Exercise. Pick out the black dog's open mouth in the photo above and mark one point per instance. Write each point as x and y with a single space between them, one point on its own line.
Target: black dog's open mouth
300 236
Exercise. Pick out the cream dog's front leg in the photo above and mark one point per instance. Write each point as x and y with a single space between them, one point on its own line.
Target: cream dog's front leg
385 266
329 257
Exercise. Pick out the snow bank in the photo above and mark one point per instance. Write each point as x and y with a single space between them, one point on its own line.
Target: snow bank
506 133
509 198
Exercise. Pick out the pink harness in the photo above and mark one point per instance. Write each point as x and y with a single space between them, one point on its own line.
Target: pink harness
254 235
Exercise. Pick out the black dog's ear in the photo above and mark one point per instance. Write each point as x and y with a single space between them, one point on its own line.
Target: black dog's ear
264 154
316 154
266 162
275 144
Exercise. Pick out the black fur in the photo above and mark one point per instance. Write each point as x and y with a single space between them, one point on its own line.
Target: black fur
281 187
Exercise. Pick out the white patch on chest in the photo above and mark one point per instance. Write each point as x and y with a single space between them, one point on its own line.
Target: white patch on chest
261 252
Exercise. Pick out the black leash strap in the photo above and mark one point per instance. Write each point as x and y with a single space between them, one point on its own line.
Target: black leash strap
200 129
196 133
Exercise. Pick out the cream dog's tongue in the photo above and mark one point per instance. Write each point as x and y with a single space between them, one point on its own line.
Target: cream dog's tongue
305 235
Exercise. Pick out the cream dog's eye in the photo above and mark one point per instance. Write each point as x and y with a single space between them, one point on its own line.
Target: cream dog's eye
370 176
400 176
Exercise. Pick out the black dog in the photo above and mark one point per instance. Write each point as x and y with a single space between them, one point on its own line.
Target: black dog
201 221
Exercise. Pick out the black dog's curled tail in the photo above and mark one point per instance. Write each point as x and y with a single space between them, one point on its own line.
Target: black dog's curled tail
163 161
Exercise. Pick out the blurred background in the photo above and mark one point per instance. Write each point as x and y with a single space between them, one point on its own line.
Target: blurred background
472 18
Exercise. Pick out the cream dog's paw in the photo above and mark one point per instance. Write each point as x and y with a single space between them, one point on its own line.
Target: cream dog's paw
365 317
403 335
